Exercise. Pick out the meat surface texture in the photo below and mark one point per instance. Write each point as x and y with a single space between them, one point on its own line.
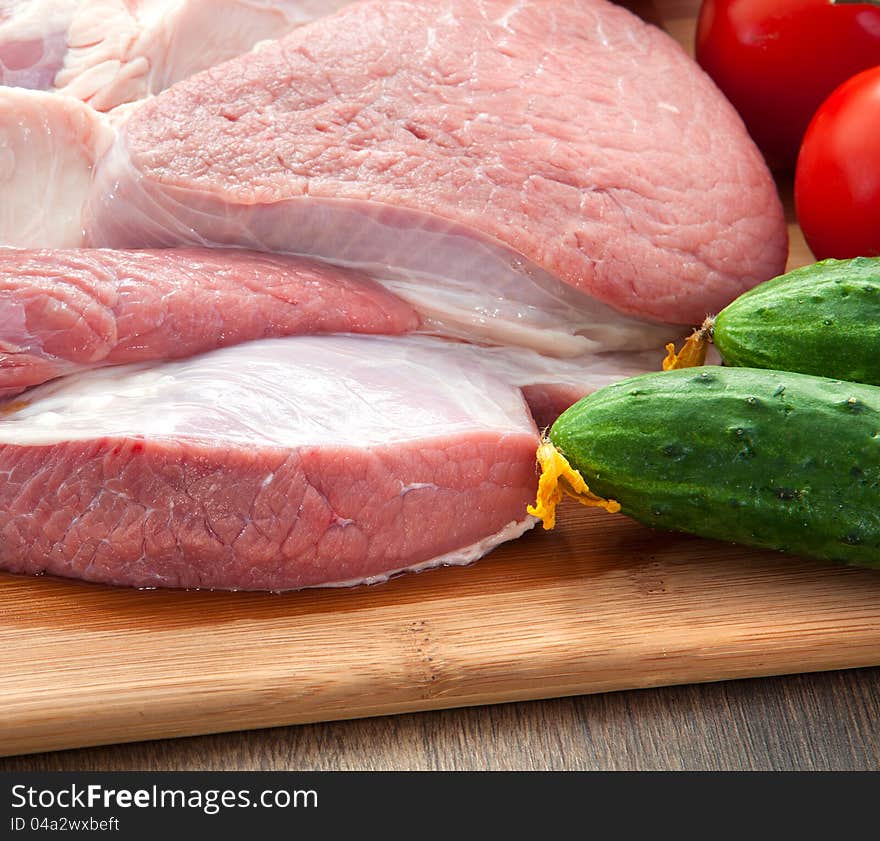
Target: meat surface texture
112 52
273 465
509 165
48 148
121 51
63 311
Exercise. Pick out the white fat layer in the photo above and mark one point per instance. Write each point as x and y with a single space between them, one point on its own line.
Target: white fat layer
352 391
459 557
41 26
121 52
48 146
465 284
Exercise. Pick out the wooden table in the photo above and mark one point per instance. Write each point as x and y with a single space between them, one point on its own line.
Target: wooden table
824 721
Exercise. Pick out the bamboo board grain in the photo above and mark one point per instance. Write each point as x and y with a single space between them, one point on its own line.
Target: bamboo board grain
599 604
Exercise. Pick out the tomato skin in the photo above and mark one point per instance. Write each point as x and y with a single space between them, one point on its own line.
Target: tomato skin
777 60
837 181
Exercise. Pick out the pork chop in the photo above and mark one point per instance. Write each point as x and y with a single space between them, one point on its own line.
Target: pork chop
272 465
556 175
63 311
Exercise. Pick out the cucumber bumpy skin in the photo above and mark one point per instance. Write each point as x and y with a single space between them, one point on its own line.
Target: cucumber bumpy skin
822 319
764 458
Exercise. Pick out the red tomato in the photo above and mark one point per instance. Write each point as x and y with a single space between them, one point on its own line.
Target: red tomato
777 60
837 182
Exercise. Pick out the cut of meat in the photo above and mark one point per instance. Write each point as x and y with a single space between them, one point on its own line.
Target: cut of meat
48 147
523 172
121 51
112 52
33 41
554 184
62 311
276 464
464 285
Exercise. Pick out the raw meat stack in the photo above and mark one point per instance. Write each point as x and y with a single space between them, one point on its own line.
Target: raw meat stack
479 210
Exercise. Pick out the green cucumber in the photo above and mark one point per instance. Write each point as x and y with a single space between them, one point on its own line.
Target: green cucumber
822 319
764 458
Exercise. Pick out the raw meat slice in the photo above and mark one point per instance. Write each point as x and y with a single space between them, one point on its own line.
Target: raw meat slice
48 147
63 311
66 310
276 464
33 41
121 51
521 171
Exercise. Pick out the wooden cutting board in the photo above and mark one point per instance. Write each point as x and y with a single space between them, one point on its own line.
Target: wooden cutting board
599 604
